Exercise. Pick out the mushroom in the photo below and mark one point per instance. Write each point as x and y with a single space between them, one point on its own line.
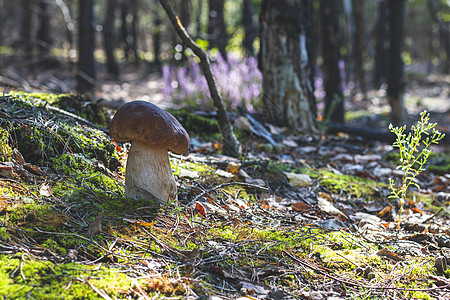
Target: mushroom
152 132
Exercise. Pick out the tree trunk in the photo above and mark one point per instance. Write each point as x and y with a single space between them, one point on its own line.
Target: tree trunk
284 62
198 18
381 48
124 29
134 29
2 8
109 38
358 9
86 44
444 36
26 27
184 7
44 31
395 70
331 47
156 38
68 20
310 48
217 33
250 30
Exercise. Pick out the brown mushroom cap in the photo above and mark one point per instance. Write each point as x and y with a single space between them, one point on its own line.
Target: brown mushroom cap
145 122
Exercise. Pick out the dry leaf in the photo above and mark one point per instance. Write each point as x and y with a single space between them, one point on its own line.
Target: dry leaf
200 208
223 173
386 213
143 223
300 206
391 255
45 190
188 174
233 168
298 180
327 207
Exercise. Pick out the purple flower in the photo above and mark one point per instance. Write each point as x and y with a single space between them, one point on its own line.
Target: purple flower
238 79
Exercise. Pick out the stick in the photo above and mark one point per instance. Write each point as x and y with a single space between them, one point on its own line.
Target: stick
231 145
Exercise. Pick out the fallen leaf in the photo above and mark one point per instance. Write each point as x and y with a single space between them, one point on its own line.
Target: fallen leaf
233 168
417 210
188 174
33 169
143 223
200 208
45 190
326 196
298 180
385 214
300 206
223 173
290 142
391 255
327 207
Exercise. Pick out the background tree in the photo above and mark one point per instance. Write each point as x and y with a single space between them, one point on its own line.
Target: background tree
26 27
156 39
2 7
109 38
129 29
250 28
358 33
217 32
395 70
86 46
44 38
381 33
331 47
231 144
444 32
69 24
287 90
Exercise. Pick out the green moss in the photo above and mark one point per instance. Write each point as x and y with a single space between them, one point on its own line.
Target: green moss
352 185
201 168
200 125
5 148
31 215
24 278
51 134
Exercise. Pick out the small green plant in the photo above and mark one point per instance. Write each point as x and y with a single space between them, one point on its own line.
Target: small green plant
414 152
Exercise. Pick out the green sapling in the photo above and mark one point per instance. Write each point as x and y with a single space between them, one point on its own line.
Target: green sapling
414 152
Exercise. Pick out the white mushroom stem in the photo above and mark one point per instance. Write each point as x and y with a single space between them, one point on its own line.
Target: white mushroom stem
148 173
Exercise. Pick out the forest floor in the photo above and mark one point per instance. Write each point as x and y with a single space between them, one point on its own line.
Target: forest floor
310 219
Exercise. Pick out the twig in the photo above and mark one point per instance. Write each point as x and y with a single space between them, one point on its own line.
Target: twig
231 144
433 215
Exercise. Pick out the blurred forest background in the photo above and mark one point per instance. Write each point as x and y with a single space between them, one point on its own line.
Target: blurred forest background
292 61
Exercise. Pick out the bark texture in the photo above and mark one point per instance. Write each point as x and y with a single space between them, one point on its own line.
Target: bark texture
284 62
217 32
331 47
358 11
109 38
250 30
381 48
86 44
395 69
